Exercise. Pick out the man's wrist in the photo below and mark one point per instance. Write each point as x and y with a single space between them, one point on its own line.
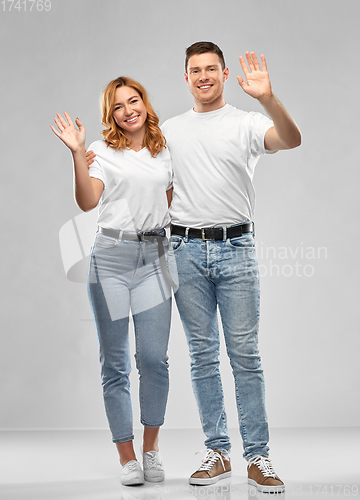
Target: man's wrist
267 100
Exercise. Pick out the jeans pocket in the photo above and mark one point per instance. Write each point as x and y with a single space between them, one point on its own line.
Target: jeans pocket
244 241
176 242
103 241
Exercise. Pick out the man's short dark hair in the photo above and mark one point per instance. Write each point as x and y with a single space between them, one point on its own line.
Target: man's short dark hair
202 48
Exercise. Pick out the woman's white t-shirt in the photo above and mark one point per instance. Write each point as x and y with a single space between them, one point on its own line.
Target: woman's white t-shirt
135 185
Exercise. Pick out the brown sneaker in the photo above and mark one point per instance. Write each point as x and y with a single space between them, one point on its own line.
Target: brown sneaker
262 475
214 467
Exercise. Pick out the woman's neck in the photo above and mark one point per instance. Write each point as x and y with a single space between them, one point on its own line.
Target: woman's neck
137 140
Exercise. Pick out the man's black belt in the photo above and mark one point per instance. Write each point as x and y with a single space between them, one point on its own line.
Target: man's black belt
213 233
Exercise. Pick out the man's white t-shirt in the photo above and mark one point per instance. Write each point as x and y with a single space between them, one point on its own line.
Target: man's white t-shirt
135 185
213 157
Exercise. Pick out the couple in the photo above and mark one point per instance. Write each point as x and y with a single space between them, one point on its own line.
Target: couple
202 164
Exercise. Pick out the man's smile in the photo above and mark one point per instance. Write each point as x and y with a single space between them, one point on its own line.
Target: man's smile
204 87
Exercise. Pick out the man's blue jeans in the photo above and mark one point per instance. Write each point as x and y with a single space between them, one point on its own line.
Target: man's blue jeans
223 274
126 275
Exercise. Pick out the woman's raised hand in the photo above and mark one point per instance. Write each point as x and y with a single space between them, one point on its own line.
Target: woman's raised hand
71 136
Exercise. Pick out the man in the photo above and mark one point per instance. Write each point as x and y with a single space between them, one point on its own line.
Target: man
215 148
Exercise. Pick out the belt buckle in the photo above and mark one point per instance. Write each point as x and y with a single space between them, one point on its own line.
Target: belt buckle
203 237
149 236
140 236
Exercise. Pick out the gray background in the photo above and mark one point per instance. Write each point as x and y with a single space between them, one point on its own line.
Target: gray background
307 199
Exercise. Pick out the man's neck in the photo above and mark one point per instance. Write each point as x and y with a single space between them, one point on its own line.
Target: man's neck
205 107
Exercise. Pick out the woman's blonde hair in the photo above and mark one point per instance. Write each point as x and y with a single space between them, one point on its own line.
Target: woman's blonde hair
113 135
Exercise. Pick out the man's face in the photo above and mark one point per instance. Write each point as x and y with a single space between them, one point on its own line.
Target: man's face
206 78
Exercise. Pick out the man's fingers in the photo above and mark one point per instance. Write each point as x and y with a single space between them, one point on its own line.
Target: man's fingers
250 61
256 62
263 61
243 65
90 157
240 80
253 62
242 83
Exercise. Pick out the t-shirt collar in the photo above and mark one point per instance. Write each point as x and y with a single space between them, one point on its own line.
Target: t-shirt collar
210 113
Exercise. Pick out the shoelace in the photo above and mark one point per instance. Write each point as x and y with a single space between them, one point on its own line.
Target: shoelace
132 465
210 460
264 464
151 460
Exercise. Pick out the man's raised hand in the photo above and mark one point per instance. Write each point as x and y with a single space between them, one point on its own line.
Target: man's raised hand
257 83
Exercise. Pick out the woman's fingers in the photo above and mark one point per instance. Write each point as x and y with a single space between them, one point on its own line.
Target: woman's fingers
55 131
62 121
68 118
79 124
63 124
59 125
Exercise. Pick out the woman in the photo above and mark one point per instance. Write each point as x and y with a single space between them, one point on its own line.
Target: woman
130 178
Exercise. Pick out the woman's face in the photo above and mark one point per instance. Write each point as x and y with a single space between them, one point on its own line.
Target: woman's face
129 110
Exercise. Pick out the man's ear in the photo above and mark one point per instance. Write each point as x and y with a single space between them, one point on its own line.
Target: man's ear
186 78
226 73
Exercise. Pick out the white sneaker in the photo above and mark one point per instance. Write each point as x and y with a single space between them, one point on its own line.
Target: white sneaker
153 467
132 474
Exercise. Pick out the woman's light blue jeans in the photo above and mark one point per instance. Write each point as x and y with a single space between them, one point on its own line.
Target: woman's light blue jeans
223 275
126 275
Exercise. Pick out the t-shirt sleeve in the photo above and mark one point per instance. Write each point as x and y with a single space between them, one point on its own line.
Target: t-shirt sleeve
170 180
163 128
258 126
169 165
168 155
95 169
